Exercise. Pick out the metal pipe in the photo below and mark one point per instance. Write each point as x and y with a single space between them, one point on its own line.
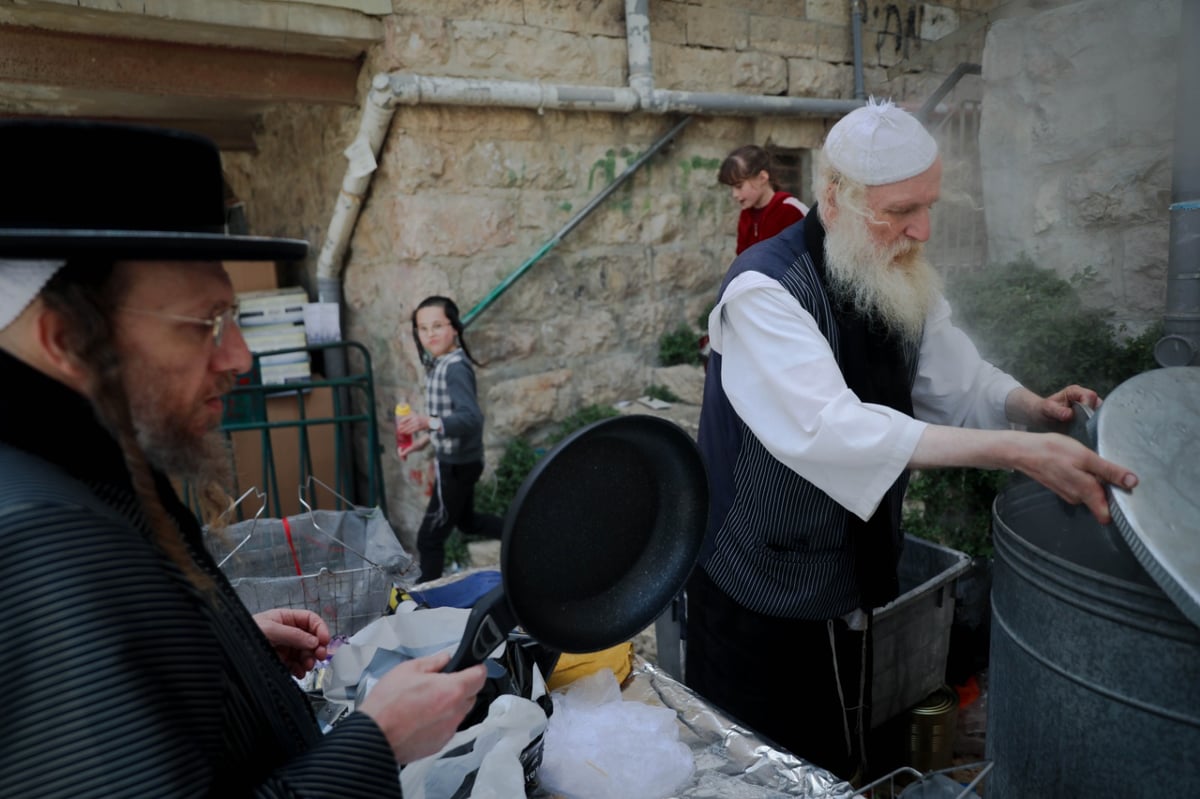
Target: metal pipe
664 101
930 105
1180 346
858 12
574 221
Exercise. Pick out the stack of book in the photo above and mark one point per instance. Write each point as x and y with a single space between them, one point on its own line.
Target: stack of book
273 320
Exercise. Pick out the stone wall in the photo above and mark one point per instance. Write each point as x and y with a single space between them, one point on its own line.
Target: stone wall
464 196
1076 146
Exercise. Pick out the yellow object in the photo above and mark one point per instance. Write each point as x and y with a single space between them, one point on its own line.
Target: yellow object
571 667
402 409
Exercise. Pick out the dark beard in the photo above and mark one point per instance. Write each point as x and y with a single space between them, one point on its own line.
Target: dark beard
173 449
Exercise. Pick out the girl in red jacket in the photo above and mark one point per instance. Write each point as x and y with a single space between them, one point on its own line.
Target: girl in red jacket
766 210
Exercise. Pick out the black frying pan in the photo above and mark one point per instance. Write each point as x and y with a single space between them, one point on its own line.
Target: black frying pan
599 539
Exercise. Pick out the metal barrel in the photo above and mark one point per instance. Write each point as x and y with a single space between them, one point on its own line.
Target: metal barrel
1094 674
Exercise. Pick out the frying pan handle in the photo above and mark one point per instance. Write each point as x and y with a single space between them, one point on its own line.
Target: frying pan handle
488 626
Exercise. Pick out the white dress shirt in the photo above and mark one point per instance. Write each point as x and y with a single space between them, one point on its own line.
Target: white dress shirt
782 380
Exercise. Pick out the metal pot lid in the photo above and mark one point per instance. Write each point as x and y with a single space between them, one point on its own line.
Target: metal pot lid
1151 424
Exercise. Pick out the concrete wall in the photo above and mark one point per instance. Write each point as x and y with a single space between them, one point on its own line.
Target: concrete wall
1076 146
463 196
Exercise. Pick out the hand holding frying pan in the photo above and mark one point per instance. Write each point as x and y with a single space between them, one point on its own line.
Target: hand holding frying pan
599 539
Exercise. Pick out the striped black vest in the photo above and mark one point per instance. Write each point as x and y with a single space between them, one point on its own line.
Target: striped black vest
776 543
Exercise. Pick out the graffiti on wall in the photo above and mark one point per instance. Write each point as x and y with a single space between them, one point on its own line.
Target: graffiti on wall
897 30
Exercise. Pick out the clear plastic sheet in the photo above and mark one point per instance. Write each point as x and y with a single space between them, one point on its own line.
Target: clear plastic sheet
731 762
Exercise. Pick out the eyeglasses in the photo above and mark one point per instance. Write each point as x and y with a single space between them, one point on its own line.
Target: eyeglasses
219 323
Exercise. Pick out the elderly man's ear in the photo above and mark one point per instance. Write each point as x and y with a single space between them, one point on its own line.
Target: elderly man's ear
828 203
38 336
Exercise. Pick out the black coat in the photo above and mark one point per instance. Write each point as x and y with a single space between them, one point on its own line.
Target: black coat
122 679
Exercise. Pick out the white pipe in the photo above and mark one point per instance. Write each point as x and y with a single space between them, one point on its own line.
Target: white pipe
637 42
363 155
390 90
414 89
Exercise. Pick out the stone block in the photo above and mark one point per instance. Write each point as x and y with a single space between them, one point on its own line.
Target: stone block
607 379
712 27
591 17
836 45
830 12
589 332
936 21
1146 254
809 77
414 43
668 23
693 69
460 225
684 381
785 37
687 270
522 52
518 405
795 134
760 73
508 11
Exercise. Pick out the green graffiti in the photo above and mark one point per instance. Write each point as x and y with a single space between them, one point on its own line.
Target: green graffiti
566 207
697 164
607 165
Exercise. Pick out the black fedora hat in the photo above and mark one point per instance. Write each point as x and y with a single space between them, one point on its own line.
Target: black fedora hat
81 188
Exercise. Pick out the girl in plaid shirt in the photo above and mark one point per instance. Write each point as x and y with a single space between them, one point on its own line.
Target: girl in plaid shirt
454 425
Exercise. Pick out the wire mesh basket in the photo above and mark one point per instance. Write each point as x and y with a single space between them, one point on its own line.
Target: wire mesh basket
340 564
965 781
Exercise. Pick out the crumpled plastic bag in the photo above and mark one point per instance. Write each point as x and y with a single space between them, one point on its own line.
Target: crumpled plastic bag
484 759
598 746
496 753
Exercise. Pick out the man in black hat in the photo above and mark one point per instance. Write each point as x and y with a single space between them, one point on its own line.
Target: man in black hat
134 668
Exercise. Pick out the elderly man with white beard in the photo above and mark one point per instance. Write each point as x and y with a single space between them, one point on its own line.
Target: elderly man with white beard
835 369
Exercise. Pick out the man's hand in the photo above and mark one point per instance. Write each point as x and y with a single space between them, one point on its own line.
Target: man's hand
419 708
1060 463
1071 470
1025 407
300 637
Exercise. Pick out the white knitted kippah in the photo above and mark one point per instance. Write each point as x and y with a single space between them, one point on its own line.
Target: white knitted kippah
880 143
20 282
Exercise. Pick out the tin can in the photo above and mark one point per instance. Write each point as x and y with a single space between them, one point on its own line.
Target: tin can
932 725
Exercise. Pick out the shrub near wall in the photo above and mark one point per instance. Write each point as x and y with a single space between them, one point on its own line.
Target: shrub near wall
1030 323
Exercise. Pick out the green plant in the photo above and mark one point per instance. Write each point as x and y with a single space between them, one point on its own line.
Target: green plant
517 461
582 418
680 346
520 457
456 549
1031 323
661 393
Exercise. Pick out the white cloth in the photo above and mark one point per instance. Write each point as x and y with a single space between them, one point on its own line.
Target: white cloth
20 282
782 379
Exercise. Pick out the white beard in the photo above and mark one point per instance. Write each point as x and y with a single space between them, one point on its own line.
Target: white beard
895 286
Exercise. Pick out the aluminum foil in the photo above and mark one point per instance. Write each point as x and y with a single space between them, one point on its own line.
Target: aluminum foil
731 761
